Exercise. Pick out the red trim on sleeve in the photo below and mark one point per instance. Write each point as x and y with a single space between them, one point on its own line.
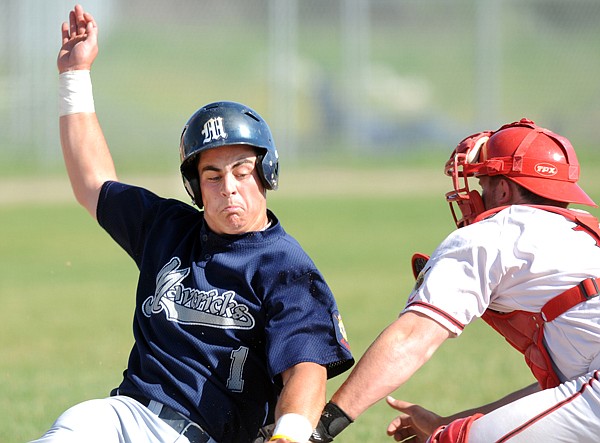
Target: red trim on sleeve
438 311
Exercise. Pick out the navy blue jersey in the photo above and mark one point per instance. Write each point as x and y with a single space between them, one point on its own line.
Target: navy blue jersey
218 318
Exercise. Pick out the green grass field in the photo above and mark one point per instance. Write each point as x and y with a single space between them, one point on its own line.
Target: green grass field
67 295
67 290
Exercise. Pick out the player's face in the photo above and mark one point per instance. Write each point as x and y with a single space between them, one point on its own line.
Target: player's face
233 196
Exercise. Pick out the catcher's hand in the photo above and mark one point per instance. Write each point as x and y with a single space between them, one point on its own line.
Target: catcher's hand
415 422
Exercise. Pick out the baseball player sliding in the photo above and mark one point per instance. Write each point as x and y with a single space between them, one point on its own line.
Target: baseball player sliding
527 265
234 326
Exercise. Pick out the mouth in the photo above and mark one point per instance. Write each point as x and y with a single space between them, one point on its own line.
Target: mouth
231 209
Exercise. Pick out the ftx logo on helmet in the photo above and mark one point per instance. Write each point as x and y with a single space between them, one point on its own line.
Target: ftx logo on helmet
226 123
534 157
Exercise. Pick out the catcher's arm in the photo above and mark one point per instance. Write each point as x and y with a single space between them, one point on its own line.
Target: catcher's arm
333 421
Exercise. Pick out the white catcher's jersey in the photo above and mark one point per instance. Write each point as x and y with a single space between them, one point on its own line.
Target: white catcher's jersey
517 259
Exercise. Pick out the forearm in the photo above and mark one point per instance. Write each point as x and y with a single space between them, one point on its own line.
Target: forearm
401 349
381 370
300 403
87 158
304 392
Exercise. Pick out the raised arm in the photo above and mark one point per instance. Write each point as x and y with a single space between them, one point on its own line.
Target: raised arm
86 154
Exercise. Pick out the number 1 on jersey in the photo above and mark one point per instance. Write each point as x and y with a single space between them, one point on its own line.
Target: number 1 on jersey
235 382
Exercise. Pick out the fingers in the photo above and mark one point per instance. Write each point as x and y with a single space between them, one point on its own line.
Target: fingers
79 41
400 422
72 23
79 20
399 405
65 33
399 428
80 23
394 426
402 431
414 418
91 29
81 26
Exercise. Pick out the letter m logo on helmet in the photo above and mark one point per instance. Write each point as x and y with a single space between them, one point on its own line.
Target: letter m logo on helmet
213 130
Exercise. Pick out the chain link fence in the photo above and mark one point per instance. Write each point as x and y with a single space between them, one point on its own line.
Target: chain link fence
338 79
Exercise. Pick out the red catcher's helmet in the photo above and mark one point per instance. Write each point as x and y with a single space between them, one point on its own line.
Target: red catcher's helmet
537 159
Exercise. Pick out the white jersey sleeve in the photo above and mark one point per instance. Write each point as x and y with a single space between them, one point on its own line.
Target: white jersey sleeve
517 259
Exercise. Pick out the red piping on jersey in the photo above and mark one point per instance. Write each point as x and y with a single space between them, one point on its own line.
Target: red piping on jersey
437 310
549 411
525 330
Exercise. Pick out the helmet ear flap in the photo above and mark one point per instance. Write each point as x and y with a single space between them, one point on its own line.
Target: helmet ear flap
268 170
192 186
191 181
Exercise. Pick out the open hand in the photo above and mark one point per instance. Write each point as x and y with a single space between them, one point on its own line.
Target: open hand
79 41
415 422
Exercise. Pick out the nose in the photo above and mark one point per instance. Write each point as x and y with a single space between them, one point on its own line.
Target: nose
229 185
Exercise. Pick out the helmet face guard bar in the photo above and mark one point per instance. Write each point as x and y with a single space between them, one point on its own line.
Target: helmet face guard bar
470 206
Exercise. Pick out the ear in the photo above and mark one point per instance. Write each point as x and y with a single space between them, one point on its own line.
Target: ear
505 191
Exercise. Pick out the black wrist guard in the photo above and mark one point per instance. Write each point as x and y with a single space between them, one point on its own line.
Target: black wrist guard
333 421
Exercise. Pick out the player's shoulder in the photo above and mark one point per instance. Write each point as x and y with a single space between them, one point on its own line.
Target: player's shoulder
525 221
517 214
281 254
535 215
493 227
141 203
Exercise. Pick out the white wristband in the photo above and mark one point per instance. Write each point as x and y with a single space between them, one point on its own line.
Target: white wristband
292 427
75 92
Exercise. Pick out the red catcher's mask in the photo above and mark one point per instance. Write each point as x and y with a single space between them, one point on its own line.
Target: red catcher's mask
537 159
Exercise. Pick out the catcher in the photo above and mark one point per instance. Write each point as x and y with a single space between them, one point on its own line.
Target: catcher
525 263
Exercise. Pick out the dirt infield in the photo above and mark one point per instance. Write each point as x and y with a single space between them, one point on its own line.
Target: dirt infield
293 184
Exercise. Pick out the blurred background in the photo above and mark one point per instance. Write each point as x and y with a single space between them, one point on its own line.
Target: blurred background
339 81
366 100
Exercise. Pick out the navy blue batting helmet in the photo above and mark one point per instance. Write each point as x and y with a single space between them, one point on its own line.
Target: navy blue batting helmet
223 124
